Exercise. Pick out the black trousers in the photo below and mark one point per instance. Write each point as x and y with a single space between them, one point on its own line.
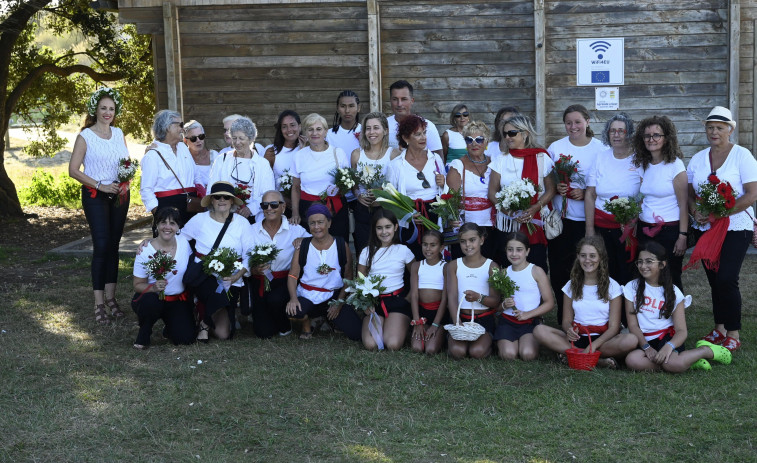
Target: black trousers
214 301
347 321
363 216
726 296
269 311
177 315
561 254
619 266
106 221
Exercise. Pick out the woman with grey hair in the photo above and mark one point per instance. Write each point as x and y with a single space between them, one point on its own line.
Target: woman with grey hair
194 138
168 169
613 175
245 168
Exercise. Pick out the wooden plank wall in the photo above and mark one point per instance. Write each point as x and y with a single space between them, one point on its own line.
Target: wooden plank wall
746 86
676 60
476 53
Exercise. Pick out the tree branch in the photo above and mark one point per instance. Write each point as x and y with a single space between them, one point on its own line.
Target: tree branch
69 55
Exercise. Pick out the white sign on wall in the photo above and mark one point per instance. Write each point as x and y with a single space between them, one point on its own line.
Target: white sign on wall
599 62
607 98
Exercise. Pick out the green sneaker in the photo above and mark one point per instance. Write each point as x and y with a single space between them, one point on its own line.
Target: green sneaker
720 354
701 364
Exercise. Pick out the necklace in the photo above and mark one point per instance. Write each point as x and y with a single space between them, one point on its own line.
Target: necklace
478 172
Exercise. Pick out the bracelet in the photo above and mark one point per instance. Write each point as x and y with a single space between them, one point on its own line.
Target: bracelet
97 185
683 233
420 321
645 347
435 325
671 345
293 277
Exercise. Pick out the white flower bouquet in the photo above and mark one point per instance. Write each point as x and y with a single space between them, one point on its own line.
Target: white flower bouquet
345 179
514 199
263 254
223 262
370 176
364 292
285 183
127 169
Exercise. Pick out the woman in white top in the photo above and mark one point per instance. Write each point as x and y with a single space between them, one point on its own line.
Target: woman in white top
524 159
374 153
453 144
664 213
418 173
219 316
592 302
498 145
385 256
287 140
244 166
194 138
584 148
468 289
613 175
100 147
313 176
268 308
175 308
734 164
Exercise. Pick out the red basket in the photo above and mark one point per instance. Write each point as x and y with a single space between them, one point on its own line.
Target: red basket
577 358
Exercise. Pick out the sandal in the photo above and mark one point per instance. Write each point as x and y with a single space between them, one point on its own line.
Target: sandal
716 337
306 335
115 309
609 363
701 364
732 344
140 346
101 316
202 333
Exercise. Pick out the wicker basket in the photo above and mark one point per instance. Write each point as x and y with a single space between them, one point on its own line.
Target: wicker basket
468 331
577 358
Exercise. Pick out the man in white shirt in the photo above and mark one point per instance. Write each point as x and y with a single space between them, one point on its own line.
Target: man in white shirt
401 93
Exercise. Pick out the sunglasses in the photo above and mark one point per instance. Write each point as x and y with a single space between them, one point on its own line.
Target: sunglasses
479 140
459 115
511 133
220 197
272 204
196 137
423 179
181 124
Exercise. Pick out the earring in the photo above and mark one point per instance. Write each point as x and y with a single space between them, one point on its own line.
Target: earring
178 232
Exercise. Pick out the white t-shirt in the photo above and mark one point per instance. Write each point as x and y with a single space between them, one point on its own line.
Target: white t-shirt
475 188
613 177
314 168
283 239
389 262
205 230
284 161
174 285
255 171
404 176
310 275
590 309
585 155
739 168
103 155
203 172
649 316
659 194
493 151
347 140
433 141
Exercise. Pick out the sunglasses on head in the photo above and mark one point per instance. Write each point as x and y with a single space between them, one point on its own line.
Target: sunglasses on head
511 133
479 140
423 179
196 137
272 204
463 114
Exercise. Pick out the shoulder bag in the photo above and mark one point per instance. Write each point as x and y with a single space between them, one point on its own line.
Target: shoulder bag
194 276
193 202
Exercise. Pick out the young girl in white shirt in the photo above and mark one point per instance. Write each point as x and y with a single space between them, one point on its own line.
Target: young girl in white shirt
427 297
592 301
468 279
522 312
385 256
657 321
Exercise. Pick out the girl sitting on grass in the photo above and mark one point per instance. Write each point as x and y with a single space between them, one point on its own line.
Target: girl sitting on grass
468 284
427 296
592 301
385 256
655 308
522 312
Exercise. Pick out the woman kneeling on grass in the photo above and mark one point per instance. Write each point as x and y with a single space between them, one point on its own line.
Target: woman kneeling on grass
468 280
592 301
523 311
385 256
428 300
174 308
657 321
315 277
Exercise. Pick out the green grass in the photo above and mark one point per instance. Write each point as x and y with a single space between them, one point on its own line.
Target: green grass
75 391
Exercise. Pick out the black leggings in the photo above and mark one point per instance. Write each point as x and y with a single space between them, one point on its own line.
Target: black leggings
106 224
724 284
269 312
177 315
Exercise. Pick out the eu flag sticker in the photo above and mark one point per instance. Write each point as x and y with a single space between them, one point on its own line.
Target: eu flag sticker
600 77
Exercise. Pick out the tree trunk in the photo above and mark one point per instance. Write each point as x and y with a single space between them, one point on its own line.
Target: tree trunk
9 203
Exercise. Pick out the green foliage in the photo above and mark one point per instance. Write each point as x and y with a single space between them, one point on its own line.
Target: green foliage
46 190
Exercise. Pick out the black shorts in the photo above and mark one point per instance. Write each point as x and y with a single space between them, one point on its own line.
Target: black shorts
487 321
658 344
395 304
431 315
583 343
510 331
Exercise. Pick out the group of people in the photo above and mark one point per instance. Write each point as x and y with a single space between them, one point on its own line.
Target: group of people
606 283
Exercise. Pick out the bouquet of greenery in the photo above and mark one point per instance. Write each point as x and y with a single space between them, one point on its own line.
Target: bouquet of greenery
502 283
370 176
345 179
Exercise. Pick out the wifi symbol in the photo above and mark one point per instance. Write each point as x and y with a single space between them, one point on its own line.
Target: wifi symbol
600 46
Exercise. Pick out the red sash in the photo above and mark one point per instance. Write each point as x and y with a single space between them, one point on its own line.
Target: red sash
709 245
660 334
178 191
334 203
420 206
478 315
176 297
384 296
430 305
473 203
531 171
512 319
597 329
314 288
605 220
261 281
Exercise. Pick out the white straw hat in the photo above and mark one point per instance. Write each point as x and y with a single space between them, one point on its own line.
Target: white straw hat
721 114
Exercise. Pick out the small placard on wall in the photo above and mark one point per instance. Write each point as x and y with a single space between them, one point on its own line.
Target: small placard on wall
607 98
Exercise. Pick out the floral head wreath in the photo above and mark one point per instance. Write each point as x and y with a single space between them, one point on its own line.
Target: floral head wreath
98 95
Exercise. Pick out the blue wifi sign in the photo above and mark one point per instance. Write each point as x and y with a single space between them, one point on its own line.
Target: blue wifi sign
599 61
